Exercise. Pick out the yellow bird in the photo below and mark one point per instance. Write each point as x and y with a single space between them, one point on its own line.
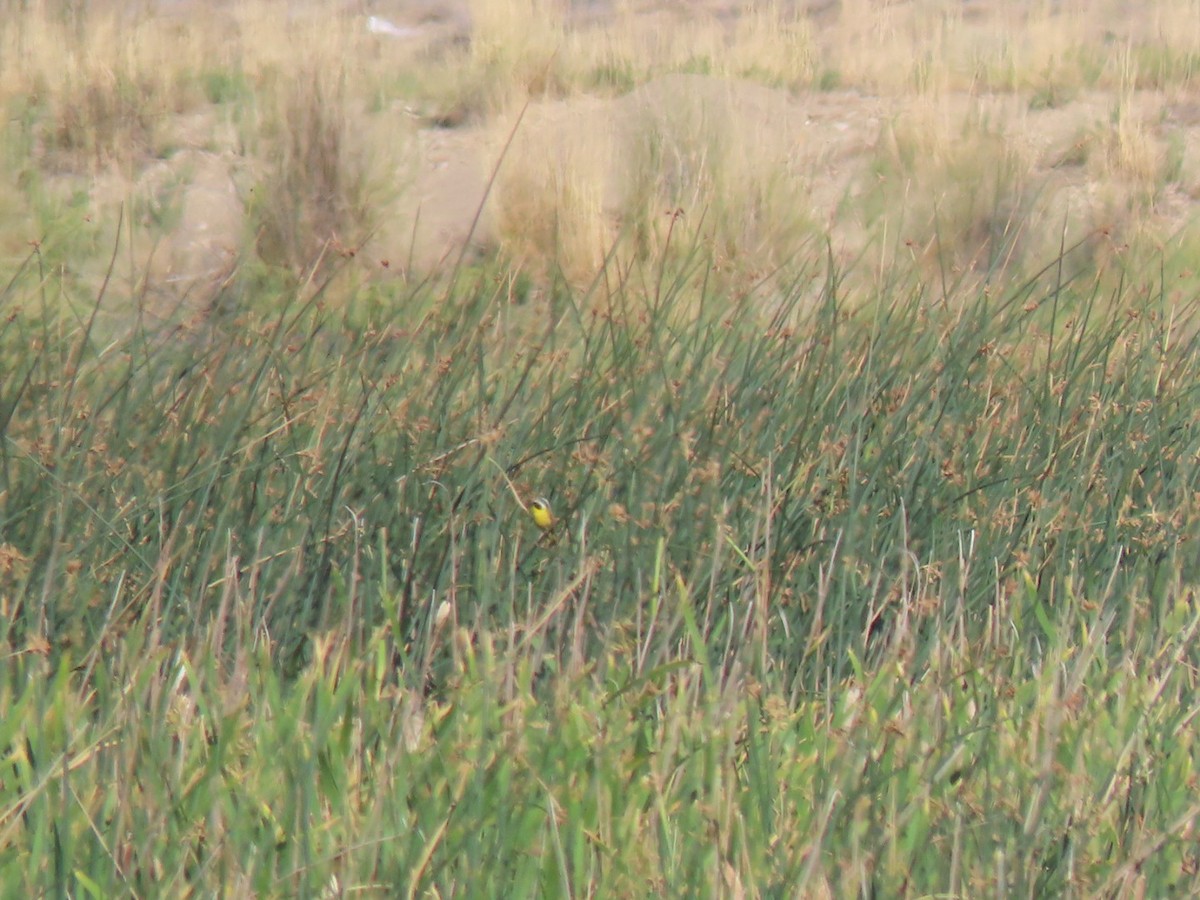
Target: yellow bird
543 518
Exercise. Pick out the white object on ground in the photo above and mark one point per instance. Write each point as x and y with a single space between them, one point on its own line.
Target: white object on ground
376 25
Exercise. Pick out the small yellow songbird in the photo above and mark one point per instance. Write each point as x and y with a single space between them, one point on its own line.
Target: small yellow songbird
542 516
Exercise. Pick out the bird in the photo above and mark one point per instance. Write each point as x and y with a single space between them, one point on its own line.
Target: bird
543 518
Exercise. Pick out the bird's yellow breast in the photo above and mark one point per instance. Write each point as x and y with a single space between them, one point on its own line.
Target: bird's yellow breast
542 516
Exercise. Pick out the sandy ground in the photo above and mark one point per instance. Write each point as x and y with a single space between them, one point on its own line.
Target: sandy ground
831 138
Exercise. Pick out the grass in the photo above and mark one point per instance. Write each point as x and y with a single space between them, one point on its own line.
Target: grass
885 593
308 111
876 564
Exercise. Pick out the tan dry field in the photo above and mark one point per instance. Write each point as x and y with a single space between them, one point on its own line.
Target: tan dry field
970 134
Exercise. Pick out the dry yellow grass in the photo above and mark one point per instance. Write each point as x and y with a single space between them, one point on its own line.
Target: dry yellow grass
916 129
